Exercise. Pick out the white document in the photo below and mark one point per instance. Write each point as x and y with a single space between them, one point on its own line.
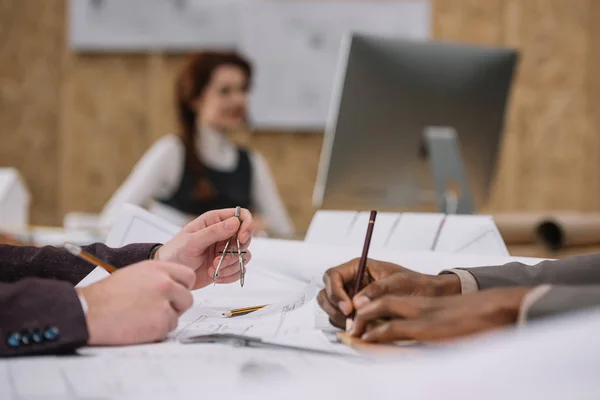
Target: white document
458 234
330 227
273 320
170 371
295 46
132 224
528 358
14 200
471 234
415 231
384 226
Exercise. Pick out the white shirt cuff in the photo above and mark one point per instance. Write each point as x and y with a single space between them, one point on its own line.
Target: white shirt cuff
84 304
468 283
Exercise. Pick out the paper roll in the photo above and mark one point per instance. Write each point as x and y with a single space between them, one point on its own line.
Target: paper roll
553 230
568 230
519 228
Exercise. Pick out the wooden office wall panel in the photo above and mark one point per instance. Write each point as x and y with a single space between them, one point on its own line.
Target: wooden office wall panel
162 72
594 91
31 46
472 21
551 114
105 126
293 159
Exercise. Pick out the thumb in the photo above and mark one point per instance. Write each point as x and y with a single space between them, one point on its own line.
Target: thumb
212 234
371 292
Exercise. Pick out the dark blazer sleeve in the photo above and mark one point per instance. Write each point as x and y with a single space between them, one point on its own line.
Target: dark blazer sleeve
17 262
581 270
43 315
40 316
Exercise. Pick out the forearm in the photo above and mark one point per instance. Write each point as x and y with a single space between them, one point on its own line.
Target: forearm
546 301
581 270
542 300
50 262
39 316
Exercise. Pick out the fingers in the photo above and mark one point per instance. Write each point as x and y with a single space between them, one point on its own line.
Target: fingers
215 217
227 271
377 289
213 234
231 259
177 286
248 227
230 265
385 307
173 320
229 279
395 330
179 273
181 298
335 280
335 316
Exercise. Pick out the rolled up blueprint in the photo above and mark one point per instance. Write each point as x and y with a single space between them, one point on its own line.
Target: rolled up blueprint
555 230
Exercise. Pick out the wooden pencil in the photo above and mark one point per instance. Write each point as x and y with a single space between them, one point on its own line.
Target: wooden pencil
242 311
79 252
362 266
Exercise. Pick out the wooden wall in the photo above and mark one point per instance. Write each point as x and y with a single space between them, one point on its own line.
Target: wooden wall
76 124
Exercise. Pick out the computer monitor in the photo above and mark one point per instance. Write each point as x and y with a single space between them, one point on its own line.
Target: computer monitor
387 91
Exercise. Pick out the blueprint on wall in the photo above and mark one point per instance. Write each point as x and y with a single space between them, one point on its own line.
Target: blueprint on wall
296 46
141 25
293 44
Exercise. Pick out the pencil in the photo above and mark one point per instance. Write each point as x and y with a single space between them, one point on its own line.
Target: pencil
362 266
242 311
79 252
438 233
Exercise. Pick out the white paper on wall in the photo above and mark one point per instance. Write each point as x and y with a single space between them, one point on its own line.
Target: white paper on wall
295 46
129 25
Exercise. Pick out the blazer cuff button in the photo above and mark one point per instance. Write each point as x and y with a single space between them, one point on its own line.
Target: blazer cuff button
14 340
51 333
36 336
25 338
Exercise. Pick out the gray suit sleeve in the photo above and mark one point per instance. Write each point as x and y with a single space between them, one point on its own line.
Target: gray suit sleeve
581 270
562 299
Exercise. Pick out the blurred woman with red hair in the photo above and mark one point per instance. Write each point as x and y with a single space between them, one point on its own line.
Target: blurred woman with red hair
185 175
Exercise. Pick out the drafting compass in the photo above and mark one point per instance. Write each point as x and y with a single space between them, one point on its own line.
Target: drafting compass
234 251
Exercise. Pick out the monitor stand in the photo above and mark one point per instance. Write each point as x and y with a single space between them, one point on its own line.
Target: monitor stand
453 194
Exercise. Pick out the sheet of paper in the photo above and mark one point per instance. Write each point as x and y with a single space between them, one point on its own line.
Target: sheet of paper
132 224
415 231
330 227
96 275
14 200
153 24
471 234
528 358
273 320
281 35
385 224
169 370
